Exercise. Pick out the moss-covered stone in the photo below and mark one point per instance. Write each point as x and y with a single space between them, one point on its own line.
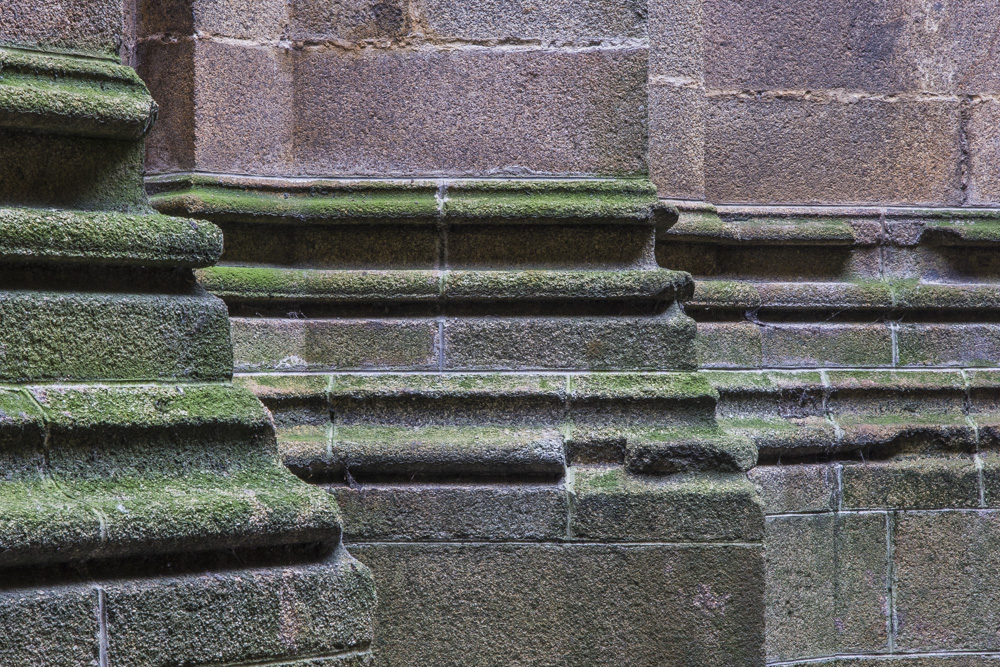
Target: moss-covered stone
118 239
61 94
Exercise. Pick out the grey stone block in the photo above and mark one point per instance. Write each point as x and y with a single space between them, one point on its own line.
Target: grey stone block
349 20
167 68
610 505
826 585
244 108
790 150
533 604
563 20
984 152
947 596
677 140
95 26
949 344
797 487
729 345
827 345
885 46
446 512
471 111
49 627
266 614
923 483
676 38
297 344
570 343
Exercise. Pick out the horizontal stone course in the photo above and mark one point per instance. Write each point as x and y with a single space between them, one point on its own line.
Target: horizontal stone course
562 20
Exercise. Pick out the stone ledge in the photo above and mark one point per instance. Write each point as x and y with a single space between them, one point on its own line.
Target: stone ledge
43 236
60 94
123 471
252 284
460 201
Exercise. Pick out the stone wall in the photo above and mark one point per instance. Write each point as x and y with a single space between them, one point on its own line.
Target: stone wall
459 247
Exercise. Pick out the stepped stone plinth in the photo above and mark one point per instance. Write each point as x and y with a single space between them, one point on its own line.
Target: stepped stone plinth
145 514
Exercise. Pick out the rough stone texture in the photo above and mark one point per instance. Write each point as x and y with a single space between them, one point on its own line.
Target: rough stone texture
924 483
676 38
168 70
773 149
95 27
294 344
826 585
885 46
567 604
265 614
471 112
244 108
949 344
349 20
677 140
447 512
729 345
562 20
827 345
945 586
49 627
984 152
797 487
565 343
609 505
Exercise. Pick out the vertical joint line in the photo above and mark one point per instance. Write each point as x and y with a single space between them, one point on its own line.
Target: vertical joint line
440 323
840 487
894 337
890 597
102 628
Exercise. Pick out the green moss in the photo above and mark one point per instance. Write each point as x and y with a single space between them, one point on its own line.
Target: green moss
679 386
41 235
66 95
252 283
349 204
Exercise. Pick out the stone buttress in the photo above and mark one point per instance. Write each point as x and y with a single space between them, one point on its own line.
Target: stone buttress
495 380
145 515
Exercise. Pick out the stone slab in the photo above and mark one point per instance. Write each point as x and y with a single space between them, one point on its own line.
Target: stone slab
531 604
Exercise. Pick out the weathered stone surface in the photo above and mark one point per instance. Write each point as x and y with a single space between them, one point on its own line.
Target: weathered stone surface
297 344
266 614
168 70
562 20
677 139
956 344
946 593
569 343
527 246
446 512
813 345
809 151
93 336
349 20
610 505
729 345
826 585
797 487
676 38
887 46
49 171
244 108
984 152
53 627
470 112
94 26
567 604
923 483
